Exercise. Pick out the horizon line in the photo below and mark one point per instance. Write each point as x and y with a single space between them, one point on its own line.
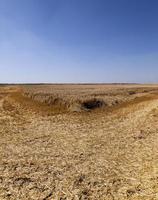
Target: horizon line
73 83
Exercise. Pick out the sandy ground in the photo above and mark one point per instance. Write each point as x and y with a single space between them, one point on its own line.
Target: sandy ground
79 156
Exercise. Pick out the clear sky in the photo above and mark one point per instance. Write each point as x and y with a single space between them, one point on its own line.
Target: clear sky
78 41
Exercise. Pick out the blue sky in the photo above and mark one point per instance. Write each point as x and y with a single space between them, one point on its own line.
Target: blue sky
78 41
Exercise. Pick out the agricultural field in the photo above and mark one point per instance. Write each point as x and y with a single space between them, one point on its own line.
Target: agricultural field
79 142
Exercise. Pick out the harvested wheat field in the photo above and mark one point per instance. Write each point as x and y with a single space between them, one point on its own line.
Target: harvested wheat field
79 142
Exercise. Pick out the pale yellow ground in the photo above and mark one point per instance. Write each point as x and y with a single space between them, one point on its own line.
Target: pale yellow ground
78 156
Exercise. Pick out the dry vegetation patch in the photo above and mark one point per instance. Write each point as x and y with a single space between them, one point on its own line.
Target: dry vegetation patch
108 153
83 97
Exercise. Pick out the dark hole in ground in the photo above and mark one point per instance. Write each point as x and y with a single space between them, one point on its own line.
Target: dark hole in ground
92 104
131 92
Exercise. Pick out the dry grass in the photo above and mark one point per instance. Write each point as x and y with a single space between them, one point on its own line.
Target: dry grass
84 97
108 153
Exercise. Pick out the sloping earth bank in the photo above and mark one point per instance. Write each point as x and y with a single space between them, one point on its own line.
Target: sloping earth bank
96 155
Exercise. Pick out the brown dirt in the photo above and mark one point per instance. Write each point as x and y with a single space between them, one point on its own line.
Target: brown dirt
104 154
